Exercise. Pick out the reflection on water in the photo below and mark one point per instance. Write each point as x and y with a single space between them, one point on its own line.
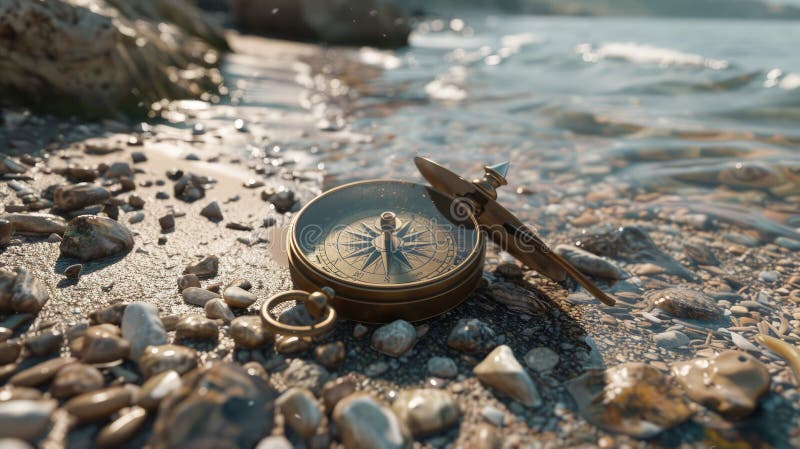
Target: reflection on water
696 108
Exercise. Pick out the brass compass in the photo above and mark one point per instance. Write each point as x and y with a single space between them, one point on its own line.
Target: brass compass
400 250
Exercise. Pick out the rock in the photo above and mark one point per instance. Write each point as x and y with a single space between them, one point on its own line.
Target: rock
590 264
122 429
731 383
493 415
216 309
9 351
10 166
136 202
36 223
335 390
167 222
631 244
541 359
103 344
274 442
790 244
769 276
472 336
75 379
212 211
6 231
190 188
73 271
487 437
685 303
364 423
631 398
304 374
443 367
188 280
249 332
78 196
142 327
700 253
220 406
157 388
45 343
291 344
376 23
359 330
519 299
157 359
137 157
395 338
90 237
198 296
14 443
671 339
100 404
501 371
244 284
330 355
108 315
118 170
196 327
205 268
40 373
426 410
238 298
300 410
24 418
28 294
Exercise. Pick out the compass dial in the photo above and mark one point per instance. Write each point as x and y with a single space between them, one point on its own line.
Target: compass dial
385 233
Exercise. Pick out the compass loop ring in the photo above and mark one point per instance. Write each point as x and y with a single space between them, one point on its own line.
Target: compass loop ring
324 324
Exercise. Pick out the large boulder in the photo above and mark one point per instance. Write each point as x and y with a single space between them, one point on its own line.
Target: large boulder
97 57
376 23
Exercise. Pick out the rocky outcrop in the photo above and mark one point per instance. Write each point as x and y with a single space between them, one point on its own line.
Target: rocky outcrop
97 57
376 23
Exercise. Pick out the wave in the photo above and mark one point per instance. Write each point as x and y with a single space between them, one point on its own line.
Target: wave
648 54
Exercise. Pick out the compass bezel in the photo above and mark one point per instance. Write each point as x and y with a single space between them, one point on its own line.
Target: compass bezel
296 250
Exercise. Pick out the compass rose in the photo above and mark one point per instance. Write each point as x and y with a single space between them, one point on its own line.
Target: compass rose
387 240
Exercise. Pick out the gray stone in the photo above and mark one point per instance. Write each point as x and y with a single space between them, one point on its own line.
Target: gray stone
426 410
501 371
443 367
590 264
365 423
198 296
304 374
395 338
671 339
472 336
216 309
88 237
541 359
212 211
769 276
238 298
788 243
142 327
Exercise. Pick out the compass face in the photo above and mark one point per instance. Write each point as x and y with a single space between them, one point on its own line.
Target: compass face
385 233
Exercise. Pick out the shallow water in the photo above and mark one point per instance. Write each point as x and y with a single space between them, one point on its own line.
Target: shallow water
702 108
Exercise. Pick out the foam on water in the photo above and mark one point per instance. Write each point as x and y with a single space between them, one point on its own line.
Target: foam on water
647 54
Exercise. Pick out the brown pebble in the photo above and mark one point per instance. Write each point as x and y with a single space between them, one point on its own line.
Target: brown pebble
248 332
157 388
75 379
40 373
99 404
103 344
188 280
196 327
73 271
157 359
167 222
335 390
122 429
170 322
9 351
111 314
45 343
330 355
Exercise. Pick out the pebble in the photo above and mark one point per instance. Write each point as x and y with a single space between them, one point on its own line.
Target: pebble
330 355
212 211
282 200
790 244
73 271
291 344
487 437
118 170
220 406
501 371
90 237
122 429
364 423
426 410
45 343
335 390
493 415
99 404
166 222
78 196
111 314
216 309
472 336
274 442
244 284
40 373
136 202
196 327
685 303
28 294
305 374
103 344
731 383
541 359
197 296
75 379
769 276
157 388
9 351
14 443
300 410
36 223
443 367
630 398
359 331
700 253
249 332
24 418
6 231
142 327
238 298
394 339
590 264
741 239
157 359
188 280
671 339
204 268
